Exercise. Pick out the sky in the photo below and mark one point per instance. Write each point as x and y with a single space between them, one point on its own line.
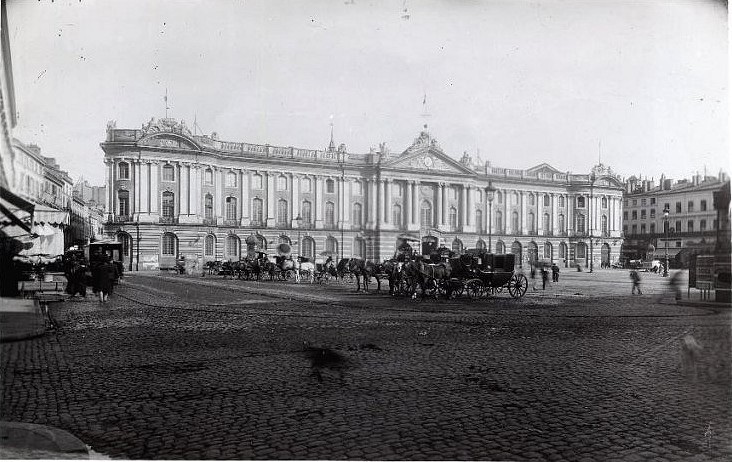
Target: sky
640 85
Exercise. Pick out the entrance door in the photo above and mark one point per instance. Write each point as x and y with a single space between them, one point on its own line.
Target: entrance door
126 256
605 256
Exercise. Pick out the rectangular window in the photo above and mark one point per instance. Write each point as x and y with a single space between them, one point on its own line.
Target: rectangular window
635 202
208 176
653 213
653 228
634 214
653 201
690 206
678 207
643 202
703 205
690 226
643 228
635 229
643 214
625 215
703 225
677 226
168 173
231 180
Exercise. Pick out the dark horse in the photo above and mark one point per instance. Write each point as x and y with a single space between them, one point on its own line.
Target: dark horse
428 276
363 270
393 270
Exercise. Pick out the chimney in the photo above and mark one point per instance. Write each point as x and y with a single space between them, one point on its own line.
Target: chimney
667 184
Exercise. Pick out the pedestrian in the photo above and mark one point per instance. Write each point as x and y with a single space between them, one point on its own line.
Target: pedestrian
103 276
533 276
635 278
555 273
674 283
544 278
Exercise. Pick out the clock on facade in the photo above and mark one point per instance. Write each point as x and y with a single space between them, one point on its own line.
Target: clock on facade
428 162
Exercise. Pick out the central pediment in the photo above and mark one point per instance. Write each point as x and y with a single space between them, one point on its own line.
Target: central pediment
425 155
167 141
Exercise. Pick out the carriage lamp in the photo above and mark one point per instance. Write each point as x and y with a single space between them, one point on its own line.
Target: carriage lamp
665 230
490 192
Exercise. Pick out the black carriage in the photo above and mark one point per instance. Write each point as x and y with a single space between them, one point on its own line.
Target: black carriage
480 274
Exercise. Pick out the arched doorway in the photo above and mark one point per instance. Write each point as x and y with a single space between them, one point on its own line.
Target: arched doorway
429 245
127 253
533 253
605 256
500 247
457 246
480 245
359 248
516 249
563 253
581 254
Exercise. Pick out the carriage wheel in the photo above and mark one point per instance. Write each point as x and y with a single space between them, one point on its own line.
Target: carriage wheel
457 286
405 287
474 288
517 285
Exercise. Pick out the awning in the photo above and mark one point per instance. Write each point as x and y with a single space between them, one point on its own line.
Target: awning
48 216
15 210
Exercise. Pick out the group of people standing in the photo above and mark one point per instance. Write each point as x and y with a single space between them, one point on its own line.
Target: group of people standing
103 274
545 275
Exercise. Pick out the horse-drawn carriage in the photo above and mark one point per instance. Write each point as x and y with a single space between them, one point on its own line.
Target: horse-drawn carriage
481 274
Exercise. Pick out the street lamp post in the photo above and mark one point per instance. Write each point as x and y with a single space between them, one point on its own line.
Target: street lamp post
490 191
592 255
665 231
298 220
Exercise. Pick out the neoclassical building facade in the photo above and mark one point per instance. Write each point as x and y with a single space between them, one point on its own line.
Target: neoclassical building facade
172 193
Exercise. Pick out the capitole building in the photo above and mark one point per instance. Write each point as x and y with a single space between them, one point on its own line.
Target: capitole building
173 193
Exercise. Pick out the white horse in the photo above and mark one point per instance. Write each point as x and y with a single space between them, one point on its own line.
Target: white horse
304 268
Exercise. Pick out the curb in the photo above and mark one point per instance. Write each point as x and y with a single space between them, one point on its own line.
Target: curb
31 441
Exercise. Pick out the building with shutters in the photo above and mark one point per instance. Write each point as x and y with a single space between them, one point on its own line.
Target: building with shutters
171 193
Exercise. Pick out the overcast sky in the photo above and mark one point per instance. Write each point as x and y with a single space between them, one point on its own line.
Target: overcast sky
643 83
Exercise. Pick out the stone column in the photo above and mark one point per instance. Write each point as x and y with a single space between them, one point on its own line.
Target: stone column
295 200
245 203
372 210
196 191
408 203
347 195
110 188
440 206
522 213
184 183
270 178
554 216
386 199
570 213
318 203
155 189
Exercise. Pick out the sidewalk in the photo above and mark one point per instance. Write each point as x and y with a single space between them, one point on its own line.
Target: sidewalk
21 319
29 441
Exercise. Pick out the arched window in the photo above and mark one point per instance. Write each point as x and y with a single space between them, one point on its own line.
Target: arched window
516 250
479 225
533 251
452 218
308 247
209 245
499 197
581 251
124 203
169 244
257 211
457 246
359 248
208 176
546 224
562 226
306 185
231 208
257 182
515 223
531 199
604 202
282 213
329 214
284 240
357 188
357 217
261 242
562 250
396 215
232 247
500 247
480 245
425 215
123 171
547 201
580 223
331 245
499 222
515 198
561 201
168 172
548 250
282 183
603 223
306 213
231 180
581 202
208 207
329 186
532 223
168 204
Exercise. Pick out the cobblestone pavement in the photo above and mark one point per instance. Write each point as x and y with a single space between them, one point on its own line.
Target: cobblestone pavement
178 367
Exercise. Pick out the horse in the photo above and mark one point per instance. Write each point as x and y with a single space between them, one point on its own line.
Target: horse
393 270
305 267
364 269
421 273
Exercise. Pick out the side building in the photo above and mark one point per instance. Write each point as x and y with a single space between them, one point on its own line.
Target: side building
689 226
172 193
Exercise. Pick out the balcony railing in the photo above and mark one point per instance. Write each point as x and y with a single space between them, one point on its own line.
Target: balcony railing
230 222
169 220
257 224
121 218
209 221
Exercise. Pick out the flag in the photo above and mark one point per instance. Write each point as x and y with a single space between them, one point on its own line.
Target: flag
424 101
